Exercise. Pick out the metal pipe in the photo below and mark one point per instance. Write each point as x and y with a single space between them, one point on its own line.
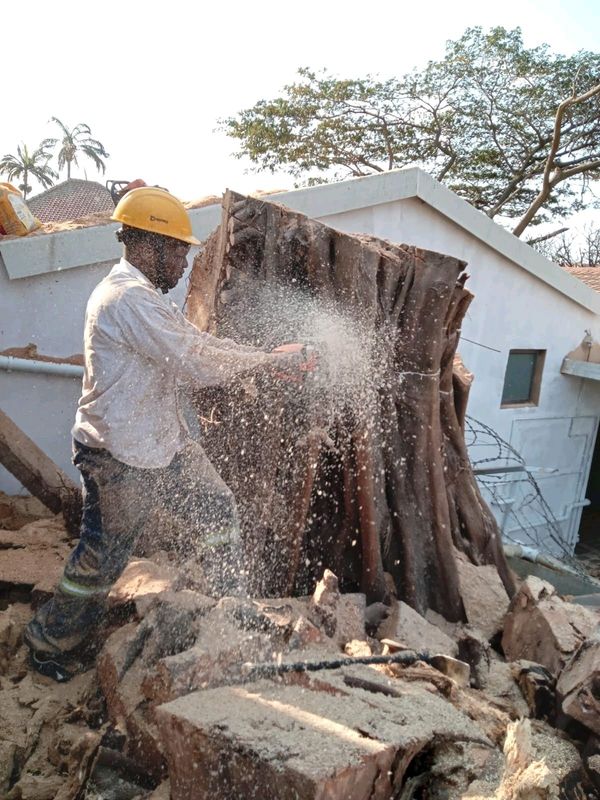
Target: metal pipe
519 468
546 560
13 364
498 470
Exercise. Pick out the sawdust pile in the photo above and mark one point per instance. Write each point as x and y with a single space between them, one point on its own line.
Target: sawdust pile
89 221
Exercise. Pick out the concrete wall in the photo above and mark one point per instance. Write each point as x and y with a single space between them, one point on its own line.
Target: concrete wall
512 309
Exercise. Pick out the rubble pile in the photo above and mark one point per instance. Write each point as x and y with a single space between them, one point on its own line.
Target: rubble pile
196 697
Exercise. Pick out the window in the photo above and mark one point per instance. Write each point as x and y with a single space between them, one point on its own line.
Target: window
523 378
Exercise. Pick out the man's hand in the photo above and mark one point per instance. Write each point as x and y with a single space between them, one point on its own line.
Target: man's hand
293 360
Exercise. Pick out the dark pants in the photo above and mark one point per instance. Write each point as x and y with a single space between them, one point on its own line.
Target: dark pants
117 501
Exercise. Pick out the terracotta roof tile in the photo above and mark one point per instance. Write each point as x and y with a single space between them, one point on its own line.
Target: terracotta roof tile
589 275
70 200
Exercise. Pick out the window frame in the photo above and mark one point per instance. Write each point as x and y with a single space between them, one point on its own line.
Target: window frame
536 378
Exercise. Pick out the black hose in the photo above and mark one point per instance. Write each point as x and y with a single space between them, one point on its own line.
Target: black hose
269 669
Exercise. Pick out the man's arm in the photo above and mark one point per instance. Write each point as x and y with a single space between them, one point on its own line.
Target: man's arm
149 327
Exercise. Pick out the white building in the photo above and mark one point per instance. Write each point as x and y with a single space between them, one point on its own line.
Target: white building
528 314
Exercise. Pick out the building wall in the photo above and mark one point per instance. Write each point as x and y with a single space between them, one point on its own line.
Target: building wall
512 309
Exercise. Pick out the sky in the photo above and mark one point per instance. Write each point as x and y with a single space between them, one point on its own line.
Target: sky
152 79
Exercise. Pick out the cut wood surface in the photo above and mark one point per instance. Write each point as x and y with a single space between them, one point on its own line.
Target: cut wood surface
364 468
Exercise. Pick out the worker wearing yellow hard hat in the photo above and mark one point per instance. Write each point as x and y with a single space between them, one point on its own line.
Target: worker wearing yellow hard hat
131 441
149 210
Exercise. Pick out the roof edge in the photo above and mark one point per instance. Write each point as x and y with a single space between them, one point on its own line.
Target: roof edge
50 189
35 255
507 244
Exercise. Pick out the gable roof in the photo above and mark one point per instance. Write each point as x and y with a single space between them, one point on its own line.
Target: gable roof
70 200
33 255
589 275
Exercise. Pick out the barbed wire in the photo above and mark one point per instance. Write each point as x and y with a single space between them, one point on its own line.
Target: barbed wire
526 517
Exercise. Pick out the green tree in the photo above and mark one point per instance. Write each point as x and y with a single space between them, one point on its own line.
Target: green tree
77 142
515 131
25 165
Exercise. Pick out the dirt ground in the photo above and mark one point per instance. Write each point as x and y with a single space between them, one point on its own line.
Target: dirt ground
170 694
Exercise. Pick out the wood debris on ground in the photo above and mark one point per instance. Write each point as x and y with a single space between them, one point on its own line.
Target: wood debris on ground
172 709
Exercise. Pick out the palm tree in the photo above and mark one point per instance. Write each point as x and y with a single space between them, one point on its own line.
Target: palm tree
26 165
74 142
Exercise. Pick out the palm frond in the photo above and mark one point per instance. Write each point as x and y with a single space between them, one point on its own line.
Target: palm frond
44 175
48 144
11 166
8 161
91 153
61 125
81 130
98 147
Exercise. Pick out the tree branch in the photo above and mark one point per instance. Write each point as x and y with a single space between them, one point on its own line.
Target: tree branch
547 236
549 181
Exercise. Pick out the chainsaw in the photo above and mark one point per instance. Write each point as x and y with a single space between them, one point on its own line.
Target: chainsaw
118 189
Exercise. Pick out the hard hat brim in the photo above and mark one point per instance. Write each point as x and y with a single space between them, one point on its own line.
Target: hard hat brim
188 239
193 241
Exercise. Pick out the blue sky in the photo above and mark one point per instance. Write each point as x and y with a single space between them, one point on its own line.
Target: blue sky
152 79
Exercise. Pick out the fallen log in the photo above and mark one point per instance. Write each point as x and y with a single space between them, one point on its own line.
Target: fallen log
38 473
384 483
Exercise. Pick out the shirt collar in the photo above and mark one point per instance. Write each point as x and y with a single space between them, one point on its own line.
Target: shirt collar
134 272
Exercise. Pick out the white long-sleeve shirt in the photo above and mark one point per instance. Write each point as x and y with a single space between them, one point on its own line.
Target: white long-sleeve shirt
138 347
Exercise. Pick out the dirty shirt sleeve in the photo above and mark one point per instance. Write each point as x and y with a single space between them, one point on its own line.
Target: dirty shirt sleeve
153 329
222 343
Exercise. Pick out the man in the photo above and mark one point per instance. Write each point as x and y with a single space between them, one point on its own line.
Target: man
131 442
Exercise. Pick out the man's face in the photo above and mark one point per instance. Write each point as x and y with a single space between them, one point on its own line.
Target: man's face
174 263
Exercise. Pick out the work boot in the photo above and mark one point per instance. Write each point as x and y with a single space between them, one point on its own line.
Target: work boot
51 667
59 665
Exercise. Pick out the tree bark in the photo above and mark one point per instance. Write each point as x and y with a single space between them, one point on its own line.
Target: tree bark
555 173
362 473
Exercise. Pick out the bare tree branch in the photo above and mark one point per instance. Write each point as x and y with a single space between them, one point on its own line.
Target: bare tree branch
547 236
549 181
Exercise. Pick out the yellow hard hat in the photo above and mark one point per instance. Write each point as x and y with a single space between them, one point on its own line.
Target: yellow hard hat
155 210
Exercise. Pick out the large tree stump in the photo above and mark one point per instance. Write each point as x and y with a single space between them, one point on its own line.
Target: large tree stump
363 469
